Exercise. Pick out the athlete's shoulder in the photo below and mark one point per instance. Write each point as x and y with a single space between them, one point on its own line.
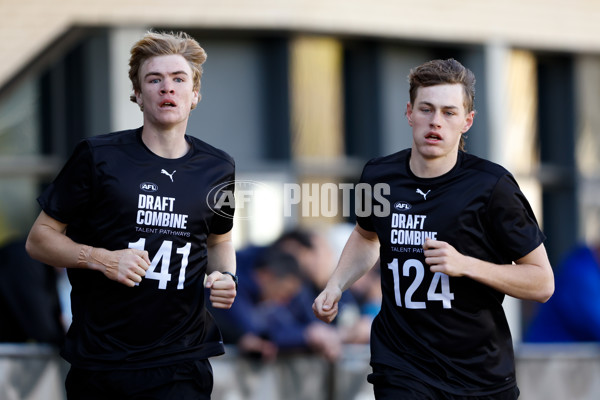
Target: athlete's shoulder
390 158
94 145
394 158
202 147
113 138
384 167
481 165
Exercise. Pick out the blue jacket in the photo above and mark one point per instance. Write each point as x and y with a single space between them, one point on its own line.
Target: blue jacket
573 313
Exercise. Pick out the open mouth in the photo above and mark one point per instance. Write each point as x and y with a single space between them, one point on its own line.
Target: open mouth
433 136
167 104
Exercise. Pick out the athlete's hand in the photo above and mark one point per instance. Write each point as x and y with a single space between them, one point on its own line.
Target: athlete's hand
325 305
443 257
222 290
126 266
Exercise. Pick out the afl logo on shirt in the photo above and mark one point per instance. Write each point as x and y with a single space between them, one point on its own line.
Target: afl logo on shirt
149 187
402 206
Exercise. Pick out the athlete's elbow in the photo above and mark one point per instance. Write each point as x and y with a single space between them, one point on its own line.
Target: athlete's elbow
31 247
34 245
545 292
547 295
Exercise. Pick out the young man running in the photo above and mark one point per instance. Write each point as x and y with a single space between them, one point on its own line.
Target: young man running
460 236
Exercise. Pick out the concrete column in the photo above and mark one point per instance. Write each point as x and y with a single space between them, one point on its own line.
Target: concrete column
124 113
496 71
511 88
317 119
316 94
588 146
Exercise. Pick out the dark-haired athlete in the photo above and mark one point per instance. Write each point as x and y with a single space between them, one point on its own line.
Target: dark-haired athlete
128 216
460 235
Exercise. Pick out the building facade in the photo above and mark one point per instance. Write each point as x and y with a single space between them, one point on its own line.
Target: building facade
307 91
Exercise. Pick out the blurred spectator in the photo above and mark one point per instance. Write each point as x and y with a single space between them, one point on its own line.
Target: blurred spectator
317 257
30 310
273 309
289 327
313 252
238 320
573 313
367 292
267 327
269 315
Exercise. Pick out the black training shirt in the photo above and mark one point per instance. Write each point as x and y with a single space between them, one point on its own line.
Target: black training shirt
449 332
116 194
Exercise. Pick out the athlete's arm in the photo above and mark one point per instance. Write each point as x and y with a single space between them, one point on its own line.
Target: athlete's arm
221 258
47 242
359 255
529 278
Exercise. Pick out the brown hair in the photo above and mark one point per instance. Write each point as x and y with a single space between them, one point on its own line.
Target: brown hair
439 72
164 44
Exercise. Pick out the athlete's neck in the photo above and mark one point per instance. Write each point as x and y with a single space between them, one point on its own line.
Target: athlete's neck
431 167
165 143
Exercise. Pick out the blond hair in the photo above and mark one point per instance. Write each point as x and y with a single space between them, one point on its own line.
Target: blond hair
164 44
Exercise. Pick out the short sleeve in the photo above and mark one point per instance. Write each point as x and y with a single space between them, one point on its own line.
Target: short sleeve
512 220
222 220
69 195
365 221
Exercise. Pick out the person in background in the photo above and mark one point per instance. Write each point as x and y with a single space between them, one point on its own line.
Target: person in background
315 254
262 324
572 314
458 236
280 283
270 316
367 292
30 309
129 217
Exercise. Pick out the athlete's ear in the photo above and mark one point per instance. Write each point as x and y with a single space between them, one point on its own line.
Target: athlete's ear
138 99
409 113
468 122
196 98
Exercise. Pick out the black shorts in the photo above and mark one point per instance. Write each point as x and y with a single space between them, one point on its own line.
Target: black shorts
187 380
408 388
